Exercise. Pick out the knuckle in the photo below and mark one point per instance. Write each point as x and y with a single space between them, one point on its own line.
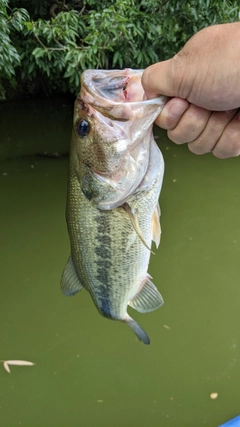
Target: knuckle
221 153
226 149
190 127
197 148
175 136
168 123
232 140
216 124
164 121
228 144
232 134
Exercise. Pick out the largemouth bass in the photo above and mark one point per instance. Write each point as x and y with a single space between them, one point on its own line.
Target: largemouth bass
115 178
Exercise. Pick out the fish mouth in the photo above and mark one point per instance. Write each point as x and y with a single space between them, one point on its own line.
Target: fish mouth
105 89
114 85
115 100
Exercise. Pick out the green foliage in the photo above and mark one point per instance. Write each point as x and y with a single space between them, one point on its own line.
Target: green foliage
183 19
9 55
46 45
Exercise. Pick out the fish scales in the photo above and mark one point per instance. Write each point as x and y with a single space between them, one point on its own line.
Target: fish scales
113 245
110 245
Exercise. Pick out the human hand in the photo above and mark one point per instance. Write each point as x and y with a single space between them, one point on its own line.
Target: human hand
205 131
204 79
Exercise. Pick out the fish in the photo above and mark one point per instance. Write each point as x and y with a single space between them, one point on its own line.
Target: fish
115 177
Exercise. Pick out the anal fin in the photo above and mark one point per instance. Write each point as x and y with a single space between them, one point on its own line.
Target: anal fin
70 283
148 298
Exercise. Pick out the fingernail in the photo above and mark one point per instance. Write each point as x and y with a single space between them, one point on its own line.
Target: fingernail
177 109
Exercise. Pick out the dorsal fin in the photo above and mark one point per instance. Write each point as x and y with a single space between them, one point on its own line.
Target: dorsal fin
148 298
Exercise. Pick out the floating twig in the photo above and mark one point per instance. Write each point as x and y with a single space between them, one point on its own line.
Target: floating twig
6 364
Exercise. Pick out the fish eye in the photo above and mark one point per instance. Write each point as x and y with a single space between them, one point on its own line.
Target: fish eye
83 128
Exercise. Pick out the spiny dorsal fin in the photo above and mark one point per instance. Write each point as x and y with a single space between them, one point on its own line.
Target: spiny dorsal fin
134 221
148 298
156 226
70 283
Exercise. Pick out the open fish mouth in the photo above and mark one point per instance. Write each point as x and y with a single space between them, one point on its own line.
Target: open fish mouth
116 87
123 119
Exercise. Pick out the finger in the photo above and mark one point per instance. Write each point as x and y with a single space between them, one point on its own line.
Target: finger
171 113
229 143
190 126
212 132
156 80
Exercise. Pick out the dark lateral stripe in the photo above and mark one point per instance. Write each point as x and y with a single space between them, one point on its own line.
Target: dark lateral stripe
104 307
103 263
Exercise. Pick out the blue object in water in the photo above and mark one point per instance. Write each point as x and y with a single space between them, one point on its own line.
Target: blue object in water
235 422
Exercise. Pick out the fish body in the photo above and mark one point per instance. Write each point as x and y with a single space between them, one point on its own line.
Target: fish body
115 178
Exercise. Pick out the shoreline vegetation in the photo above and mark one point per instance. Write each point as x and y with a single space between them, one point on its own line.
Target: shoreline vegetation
45 46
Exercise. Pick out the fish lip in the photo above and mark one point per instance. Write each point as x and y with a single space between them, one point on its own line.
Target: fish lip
160 100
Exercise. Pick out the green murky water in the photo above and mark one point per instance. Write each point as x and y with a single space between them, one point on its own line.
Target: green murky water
94 372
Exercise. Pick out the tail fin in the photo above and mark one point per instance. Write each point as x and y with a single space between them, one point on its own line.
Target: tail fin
142 336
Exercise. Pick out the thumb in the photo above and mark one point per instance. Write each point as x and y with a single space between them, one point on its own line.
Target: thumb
161 79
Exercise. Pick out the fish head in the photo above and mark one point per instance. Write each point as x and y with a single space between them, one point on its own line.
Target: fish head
112 132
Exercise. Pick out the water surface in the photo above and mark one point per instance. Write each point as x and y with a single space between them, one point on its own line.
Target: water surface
90 371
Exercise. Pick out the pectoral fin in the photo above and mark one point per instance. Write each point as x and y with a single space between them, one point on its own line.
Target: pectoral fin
134 221
70 283
155 226
148 298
